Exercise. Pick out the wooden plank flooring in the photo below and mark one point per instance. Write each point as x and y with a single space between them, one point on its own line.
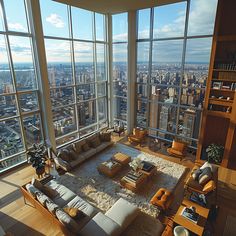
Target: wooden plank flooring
21 219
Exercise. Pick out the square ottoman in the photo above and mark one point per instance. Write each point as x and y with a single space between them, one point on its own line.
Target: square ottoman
121 158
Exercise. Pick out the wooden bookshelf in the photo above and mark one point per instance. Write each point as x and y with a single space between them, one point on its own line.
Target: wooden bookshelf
219 110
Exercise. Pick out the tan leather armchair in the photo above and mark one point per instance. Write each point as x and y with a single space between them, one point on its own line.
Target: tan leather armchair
178 149
137 136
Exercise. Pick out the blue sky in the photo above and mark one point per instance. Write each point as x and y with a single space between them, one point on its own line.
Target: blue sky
168 22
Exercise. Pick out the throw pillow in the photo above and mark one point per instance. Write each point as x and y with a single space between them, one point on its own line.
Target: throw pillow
105 137
195 174
66 220
73 155
74 212
213 167
64 155
210 186
32 189
60 163
95 142
37 184
77 147
51 206
41 197
85 147
205 176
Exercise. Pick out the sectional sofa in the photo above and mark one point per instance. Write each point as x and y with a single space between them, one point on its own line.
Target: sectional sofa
73 154
53 200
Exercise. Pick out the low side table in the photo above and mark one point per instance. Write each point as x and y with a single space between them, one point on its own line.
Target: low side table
198 227
121 158
109 168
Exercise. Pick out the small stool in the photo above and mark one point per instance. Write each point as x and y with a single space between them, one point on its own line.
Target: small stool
121 158
162 199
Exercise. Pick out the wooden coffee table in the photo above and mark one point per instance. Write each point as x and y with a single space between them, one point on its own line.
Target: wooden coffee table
198 227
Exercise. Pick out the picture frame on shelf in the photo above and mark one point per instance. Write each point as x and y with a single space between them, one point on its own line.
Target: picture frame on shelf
216 85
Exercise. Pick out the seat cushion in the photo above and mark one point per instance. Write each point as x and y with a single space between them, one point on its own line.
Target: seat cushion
174 152
80 158
102 146
64 195
101 225
83 206
89 153
178 146
123 213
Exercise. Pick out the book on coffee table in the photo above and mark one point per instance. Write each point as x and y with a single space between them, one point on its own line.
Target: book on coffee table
190 215
147 166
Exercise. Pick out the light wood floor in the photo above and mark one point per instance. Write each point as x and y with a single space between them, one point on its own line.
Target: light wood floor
21 219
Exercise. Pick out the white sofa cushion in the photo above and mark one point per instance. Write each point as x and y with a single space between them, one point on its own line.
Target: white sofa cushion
83 206
42 198
64 195
123 213
32 190
101 225
51 206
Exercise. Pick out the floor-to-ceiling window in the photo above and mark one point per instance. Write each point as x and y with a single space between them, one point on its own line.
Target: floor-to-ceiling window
76 46
119 67
173 53
20 118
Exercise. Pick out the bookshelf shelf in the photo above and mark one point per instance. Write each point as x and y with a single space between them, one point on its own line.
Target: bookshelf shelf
219 111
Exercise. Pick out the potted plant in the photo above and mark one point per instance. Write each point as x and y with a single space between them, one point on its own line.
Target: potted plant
215 153
38 157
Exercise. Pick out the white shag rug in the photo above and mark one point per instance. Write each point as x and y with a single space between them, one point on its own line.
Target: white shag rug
102 192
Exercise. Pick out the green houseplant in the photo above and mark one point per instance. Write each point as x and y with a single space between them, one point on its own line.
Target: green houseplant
215 153
38 157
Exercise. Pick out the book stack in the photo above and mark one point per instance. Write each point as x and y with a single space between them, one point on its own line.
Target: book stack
133 177
190 215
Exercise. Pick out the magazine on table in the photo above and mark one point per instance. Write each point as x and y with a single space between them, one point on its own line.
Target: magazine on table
190 214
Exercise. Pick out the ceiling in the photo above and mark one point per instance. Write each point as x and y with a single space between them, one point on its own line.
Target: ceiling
116 6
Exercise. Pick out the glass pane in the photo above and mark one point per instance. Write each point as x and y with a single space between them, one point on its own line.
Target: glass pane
28 102
8 106
144 23
64 120
7 164
62 96
84 64
193 97
189 123
166 62
87 113
59 70
16 15
202 17
82 30
2 27
66 139
120 54
87 131
120 27
166 94
23 63
142 90
101 69
142 62
100 24
120 88
102 108
197 62
54 18
32 126
101 89
10 138
120 108
141 113
6 85
85 92
163 117
169 20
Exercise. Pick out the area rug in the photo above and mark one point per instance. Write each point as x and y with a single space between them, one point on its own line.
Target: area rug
230 226
103 192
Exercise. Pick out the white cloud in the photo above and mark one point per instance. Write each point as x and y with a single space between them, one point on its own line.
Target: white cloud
55 20
16 26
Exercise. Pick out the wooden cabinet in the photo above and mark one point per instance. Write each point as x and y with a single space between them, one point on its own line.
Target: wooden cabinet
219 111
